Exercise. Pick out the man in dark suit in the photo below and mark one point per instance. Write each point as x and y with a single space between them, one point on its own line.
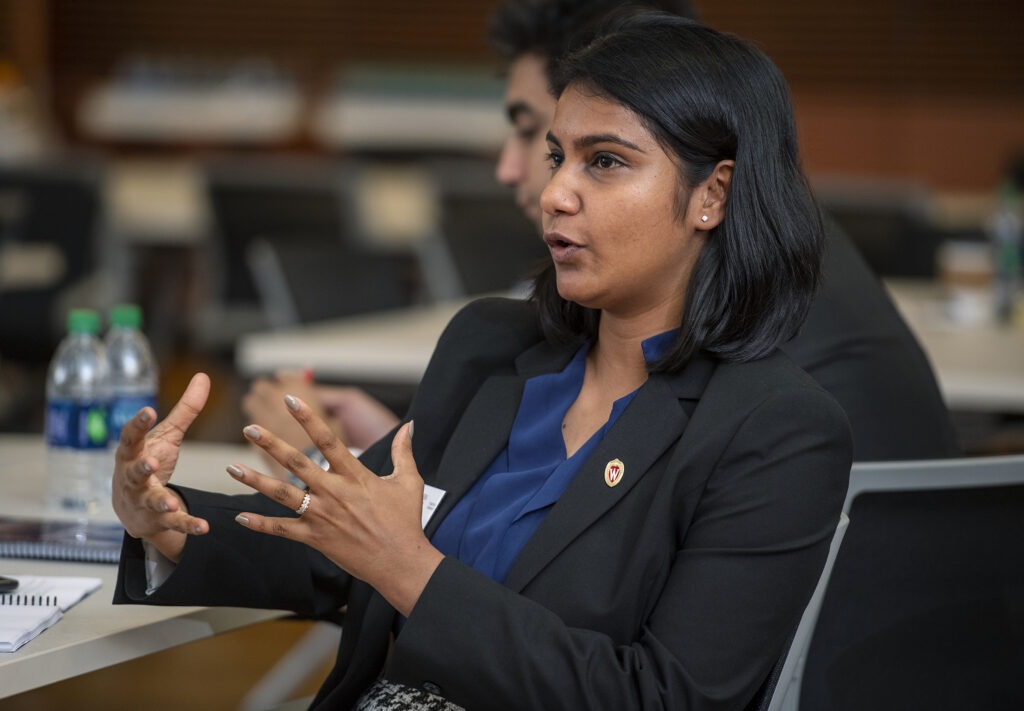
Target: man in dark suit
854 342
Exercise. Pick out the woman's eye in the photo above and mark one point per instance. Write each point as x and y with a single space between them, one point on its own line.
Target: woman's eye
605 161
554 159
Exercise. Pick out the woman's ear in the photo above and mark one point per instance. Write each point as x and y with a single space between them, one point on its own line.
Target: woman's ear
709 198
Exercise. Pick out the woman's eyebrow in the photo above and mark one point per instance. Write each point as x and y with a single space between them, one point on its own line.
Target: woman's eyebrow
588 141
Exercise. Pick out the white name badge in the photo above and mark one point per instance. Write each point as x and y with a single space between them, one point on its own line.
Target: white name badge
431 498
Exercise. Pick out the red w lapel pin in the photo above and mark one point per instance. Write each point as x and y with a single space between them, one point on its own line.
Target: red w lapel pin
613 472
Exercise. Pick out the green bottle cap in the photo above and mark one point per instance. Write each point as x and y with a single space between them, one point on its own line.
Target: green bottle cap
127 315
83 321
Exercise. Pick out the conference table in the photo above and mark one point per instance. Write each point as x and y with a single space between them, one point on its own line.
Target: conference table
979 365
95 633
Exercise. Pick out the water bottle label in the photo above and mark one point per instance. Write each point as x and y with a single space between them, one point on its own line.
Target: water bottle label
123 409
79 425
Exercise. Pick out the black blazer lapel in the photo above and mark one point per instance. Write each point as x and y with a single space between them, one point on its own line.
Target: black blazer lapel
483 429
650 424
479 437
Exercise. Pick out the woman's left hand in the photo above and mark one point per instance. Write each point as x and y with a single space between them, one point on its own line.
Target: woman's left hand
368 525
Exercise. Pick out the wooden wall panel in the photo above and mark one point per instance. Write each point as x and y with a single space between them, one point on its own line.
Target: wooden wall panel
905 46
944 142
921 90
930 89
312 34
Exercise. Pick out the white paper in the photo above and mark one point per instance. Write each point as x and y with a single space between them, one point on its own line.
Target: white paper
37 604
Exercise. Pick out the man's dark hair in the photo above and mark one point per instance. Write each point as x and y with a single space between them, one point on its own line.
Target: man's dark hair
707 97
552 28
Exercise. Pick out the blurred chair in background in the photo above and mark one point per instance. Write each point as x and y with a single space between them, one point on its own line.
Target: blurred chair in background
308 279
925 604
250 199
492 245
889 222
49 223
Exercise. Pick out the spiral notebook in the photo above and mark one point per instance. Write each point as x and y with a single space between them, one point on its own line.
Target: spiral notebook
38 603
74 540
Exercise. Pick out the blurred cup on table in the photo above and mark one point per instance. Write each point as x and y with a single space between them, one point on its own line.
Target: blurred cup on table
965 273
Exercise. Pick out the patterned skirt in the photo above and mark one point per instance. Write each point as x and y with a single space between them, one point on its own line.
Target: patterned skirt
385 695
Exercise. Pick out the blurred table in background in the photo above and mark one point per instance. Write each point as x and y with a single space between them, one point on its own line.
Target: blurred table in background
391 347
980 366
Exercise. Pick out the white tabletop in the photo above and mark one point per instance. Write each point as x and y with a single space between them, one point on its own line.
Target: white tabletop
392 346
96 633
979 366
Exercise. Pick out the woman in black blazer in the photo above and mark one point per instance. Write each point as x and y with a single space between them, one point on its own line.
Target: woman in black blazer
630 491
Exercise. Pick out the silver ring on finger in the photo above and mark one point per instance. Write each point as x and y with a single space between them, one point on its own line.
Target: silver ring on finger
304 506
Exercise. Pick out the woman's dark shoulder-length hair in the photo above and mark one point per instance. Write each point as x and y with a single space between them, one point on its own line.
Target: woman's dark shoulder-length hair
708 97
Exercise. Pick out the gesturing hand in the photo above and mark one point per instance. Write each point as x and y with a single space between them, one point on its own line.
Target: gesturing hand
143 465
368 525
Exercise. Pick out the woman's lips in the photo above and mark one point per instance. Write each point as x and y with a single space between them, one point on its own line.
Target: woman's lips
562 249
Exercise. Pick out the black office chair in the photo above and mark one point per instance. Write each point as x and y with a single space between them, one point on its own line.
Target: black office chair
925 605
249 199
49 221
490 244
307 279
889 222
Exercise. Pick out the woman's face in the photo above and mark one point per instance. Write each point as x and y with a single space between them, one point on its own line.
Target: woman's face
612 212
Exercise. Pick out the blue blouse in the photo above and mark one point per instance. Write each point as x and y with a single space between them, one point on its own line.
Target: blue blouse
489 526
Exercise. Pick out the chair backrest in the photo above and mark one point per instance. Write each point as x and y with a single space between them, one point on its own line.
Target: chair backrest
492 245
925 604
489 243
49 223
304 280
248 199
782 689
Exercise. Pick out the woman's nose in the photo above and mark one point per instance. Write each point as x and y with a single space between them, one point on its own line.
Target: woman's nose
560 195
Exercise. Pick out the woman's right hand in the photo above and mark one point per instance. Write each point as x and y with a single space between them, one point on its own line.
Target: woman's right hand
143 465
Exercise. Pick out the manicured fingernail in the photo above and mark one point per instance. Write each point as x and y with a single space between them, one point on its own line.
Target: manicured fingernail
144 416
146 467
242 519
412 426
292 402
164 507
197 529
235 471
252 432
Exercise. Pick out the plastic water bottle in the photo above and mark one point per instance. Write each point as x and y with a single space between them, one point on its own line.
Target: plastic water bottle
1007 235
134 376
78 464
